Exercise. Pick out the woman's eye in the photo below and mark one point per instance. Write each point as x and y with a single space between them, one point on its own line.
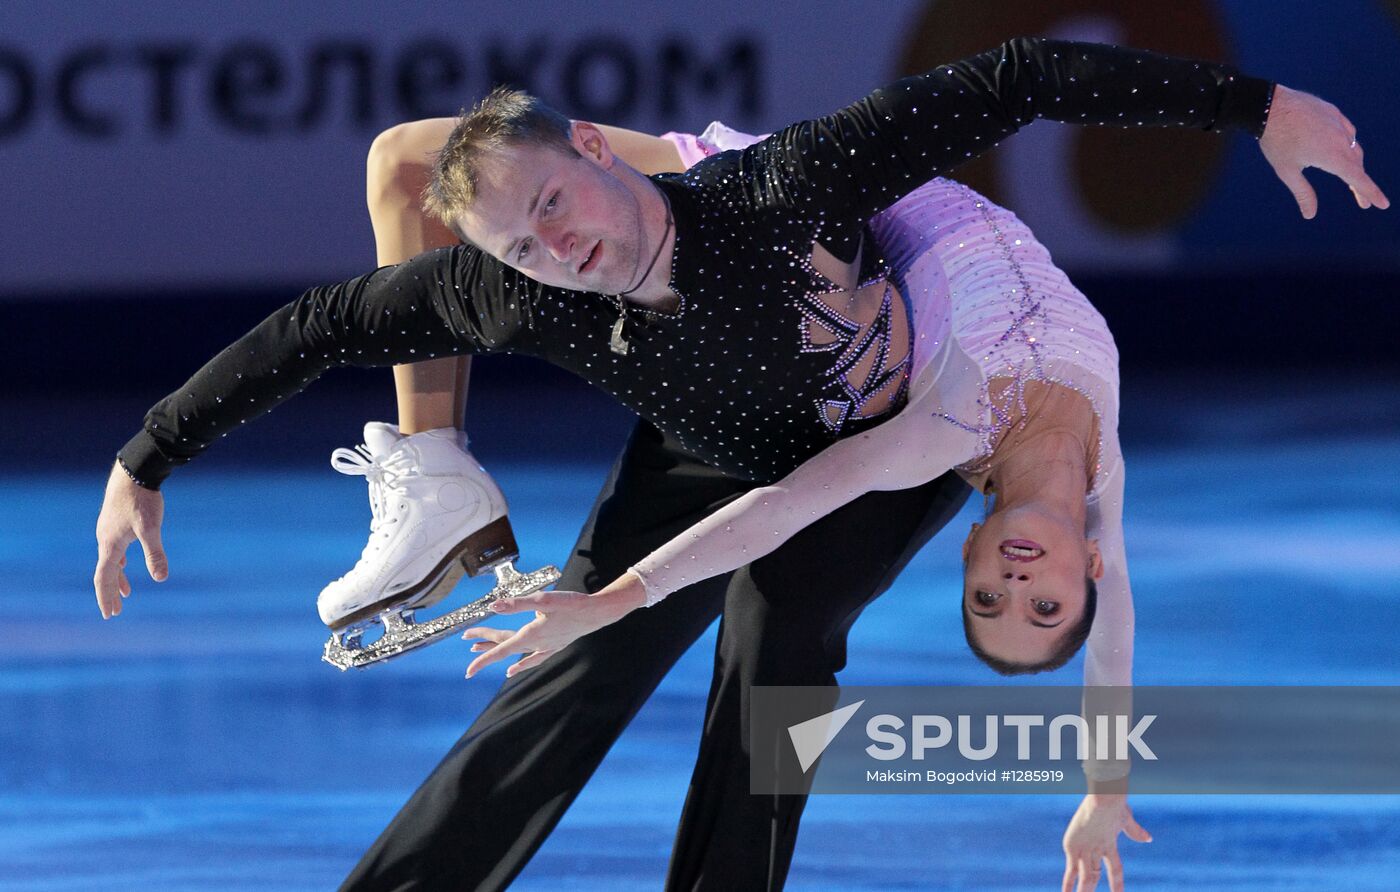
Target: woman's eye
1046 608
523 250
986 599
553 200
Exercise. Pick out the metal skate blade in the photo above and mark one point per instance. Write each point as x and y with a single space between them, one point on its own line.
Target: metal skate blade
402 634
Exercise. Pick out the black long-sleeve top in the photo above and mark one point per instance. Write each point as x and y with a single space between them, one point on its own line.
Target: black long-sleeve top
730 373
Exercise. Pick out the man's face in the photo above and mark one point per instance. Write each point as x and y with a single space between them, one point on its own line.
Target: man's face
561 219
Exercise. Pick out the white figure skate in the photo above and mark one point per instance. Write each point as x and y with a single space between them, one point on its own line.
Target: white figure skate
437 515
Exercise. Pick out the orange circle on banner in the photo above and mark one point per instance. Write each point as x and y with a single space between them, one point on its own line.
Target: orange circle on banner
1132 180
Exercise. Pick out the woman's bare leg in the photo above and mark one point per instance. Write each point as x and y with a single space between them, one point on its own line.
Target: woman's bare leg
431 394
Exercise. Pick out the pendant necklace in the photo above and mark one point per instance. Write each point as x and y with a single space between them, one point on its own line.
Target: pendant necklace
618 342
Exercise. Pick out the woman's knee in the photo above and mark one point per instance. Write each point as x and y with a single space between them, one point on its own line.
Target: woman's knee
397 161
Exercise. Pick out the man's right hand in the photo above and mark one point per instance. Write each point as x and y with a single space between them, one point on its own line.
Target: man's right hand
130 513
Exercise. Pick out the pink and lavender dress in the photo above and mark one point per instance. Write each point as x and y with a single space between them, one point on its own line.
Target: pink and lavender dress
986 304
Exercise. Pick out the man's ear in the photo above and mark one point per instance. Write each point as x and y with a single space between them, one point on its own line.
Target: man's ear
590 142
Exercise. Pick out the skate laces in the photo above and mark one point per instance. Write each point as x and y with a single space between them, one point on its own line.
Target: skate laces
385 476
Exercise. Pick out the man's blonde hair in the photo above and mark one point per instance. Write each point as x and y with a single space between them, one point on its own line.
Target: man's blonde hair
504 119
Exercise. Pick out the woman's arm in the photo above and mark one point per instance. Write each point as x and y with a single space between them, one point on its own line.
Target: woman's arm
1092 836
1109 651
906 451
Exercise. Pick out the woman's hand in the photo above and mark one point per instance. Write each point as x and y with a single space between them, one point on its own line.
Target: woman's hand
1092 840
560 619
1304 131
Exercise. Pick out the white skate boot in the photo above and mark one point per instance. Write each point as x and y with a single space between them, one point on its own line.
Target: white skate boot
437 514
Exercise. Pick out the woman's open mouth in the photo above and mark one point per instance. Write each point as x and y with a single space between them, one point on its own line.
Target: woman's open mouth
590 262
1021 550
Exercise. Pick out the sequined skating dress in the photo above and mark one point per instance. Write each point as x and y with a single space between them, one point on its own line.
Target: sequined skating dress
988 306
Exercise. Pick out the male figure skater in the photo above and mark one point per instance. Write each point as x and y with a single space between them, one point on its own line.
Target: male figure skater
720 271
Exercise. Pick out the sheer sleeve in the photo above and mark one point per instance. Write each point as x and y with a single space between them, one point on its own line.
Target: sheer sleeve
1109 651
1108 659
910 449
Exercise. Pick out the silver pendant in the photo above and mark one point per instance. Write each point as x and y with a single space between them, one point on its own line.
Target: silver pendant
618 343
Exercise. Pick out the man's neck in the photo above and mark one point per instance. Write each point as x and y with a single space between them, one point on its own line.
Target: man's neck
658 232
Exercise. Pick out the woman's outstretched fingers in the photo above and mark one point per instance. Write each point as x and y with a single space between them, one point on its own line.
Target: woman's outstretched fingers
529 662
487 634
496 654
1136 832
1115 871
537 601
1089 871
485 637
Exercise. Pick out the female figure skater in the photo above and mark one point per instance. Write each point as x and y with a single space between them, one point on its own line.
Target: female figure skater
976 283
1014 384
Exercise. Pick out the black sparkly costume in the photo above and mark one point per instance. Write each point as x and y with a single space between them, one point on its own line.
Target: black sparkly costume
745 225
732 393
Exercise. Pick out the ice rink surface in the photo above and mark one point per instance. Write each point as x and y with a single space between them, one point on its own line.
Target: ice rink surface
198 743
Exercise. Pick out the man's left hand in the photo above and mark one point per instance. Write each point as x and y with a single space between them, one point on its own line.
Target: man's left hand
1304 131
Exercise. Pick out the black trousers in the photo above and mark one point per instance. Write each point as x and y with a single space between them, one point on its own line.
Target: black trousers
489 805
